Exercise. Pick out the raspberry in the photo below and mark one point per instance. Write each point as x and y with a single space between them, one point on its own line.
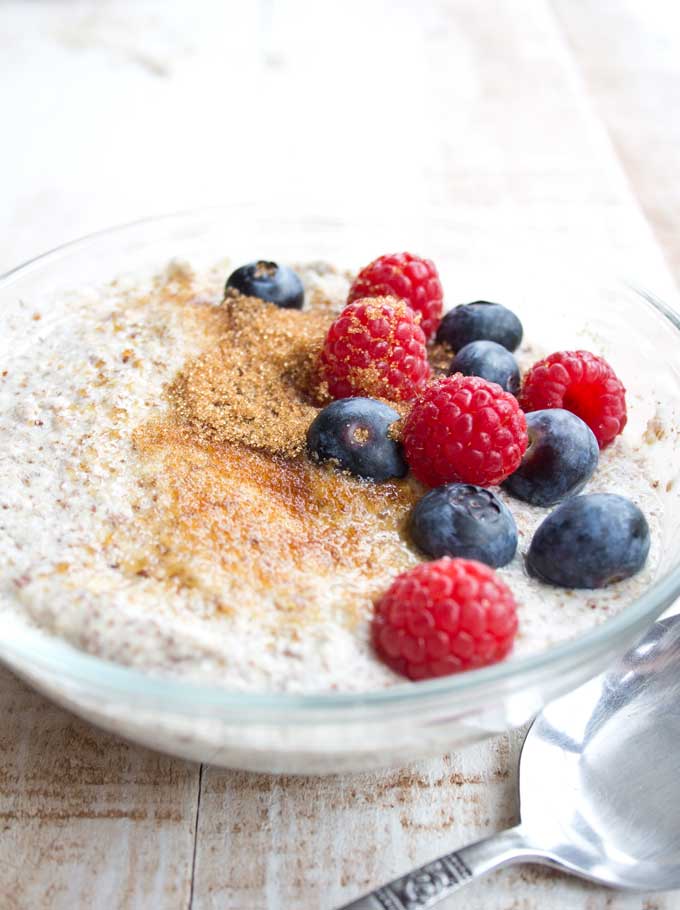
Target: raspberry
375 347
464 429
408 277
582 383
444 617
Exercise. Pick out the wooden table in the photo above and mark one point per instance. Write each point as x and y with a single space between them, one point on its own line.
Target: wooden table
547 122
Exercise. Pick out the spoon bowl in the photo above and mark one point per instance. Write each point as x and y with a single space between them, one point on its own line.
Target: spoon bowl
599 785
600 770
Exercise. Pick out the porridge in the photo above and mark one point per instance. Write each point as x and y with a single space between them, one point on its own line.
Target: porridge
159 508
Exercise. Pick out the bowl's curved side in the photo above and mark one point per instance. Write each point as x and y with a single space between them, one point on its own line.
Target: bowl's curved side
323 733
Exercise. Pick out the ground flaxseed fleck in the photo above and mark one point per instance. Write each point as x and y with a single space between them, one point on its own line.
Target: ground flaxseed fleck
251 386
265 269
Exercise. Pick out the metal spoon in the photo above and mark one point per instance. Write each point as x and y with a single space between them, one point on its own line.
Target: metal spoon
599 787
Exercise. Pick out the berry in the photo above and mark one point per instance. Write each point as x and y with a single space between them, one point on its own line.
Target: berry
443 617
407 277
464 429
582 383
375 347
590 541
354 433
561 458
480 321
464 520
490 361
276 283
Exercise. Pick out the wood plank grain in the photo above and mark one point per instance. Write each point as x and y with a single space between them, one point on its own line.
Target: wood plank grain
275 843
88 820
629 53
281 842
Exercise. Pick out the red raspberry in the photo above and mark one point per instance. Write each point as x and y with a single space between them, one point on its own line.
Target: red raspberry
582 383
375 347
465 429
443 617
408 277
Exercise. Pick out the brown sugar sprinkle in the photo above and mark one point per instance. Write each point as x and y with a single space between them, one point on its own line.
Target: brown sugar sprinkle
440 357
249 388
243 528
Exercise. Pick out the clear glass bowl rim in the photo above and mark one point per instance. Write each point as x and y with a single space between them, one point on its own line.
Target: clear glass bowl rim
58 657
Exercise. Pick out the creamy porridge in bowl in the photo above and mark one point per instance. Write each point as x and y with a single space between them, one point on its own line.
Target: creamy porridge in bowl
180 566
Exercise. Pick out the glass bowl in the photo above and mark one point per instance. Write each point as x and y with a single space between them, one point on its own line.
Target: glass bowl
326 733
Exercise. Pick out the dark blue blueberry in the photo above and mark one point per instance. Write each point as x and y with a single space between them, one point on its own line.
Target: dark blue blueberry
354 433
480 321
590 541
276 283
560 460
460 519
490 361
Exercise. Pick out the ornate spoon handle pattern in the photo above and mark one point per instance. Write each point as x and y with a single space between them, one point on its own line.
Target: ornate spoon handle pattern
431 883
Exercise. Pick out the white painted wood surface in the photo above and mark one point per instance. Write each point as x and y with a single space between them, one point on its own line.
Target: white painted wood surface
523 120
629 55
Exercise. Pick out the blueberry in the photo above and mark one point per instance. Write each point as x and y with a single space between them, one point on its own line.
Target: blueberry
276 283
460 519
590 541
490 361
353 433
480 321
560 460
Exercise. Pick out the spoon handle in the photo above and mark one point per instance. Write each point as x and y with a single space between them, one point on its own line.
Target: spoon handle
426 886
